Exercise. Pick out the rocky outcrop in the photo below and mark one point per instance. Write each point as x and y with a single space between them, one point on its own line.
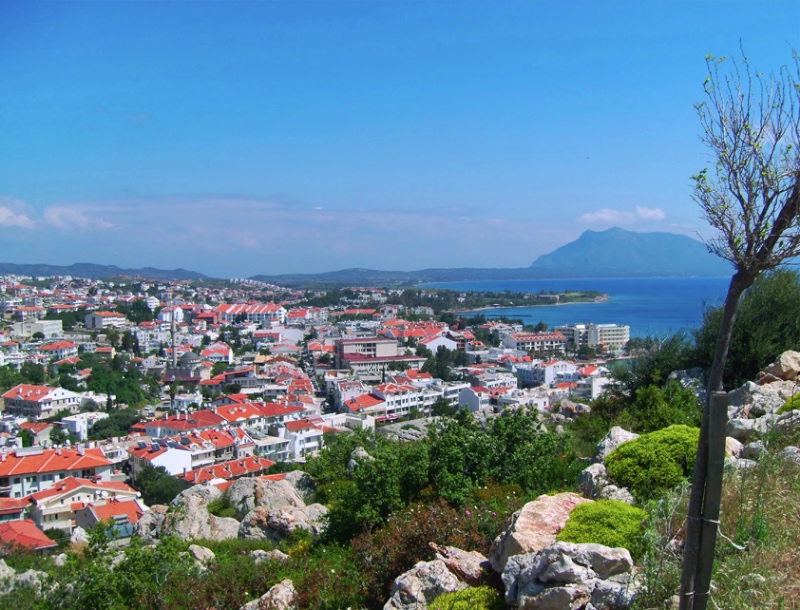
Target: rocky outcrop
248 493
359 454
201 555
260 556
280 597
78 536
415 589
188 517
533 527
570 409
613 439
786 367
263 524
10 579
570 576
302 483
151 522
469 566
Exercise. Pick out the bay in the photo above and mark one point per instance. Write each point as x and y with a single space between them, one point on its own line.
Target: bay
650 306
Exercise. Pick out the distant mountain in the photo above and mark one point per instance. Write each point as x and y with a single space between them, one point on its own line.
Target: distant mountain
620 253
612 253
595 254
98 272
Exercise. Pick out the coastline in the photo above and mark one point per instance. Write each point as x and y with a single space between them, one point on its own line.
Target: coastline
601 299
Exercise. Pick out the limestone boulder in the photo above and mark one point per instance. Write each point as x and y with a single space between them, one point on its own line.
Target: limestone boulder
359 454
247 493
753 451
612 492
533 527
752 400
567 575
732 447
415 589
786 367
263 524
282 596
613 439
260 556
469 566
151 522
188 517
791 454
592 480
201 555
79 536
303 484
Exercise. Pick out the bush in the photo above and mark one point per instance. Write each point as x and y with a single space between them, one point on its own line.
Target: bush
221 507
608 522
654 462
471 598
790 405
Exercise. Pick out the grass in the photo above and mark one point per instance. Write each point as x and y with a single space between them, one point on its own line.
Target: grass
757 562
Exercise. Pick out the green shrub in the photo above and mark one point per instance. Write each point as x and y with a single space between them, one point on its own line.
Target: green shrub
471 598
790 405
608 522
654 462
221 507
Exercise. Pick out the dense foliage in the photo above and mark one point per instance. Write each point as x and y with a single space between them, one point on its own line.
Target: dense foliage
608 522
471 598
158 486
654 462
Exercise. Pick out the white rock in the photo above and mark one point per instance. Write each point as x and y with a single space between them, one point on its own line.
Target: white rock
613 439
415 589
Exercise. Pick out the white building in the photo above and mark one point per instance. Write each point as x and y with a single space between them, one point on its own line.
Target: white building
80 423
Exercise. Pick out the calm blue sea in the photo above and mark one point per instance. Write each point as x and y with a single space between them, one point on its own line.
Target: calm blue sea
651 306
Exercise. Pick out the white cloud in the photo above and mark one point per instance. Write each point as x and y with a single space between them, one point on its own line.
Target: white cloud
607 216
650 213
74 217
10 218
15 213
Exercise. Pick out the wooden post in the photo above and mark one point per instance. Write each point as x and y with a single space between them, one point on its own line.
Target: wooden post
717 431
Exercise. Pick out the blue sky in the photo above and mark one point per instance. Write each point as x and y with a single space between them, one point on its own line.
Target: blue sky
239 138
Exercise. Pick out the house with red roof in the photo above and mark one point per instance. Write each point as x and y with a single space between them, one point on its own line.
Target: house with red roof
304 435
39 401
104 319
24 534
40 431
120 515
33 469
58 350
56 506
250 466
13 509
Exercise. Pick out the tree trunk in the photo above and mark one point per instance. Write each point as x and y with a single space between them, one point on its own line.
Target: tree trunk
694 525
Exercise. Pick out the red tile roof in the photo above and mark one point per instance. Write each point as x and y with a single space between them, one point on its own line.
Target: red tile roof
53 460
24 534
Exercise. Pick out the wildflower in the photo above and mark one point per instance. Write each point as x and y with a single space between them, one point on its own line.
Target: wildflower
333 571
467 513
494 514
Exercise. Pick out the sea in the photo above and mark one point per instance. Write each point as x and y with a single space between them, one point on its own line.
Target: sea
650 306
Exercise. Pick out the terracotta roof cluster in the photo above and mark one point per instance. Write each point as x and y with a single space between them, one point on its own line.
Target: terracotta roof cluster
227 470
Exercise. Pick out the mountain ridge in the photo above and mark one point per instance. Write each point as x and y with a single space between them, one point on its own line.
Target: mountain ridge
614 252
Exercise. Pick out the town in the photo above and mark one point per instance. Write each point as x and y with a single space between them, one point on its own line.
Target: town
117 394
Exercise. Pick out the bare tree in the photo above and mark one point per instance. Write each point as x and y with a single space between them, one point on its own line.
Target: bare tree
751 125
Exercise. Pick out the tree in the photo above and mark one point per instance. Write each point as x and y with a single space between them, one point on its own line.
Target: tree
37 335
767 324
751 125
158 486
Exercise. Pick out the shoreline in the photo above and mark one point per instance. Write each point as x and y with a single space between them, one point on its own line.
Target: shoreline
601 299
